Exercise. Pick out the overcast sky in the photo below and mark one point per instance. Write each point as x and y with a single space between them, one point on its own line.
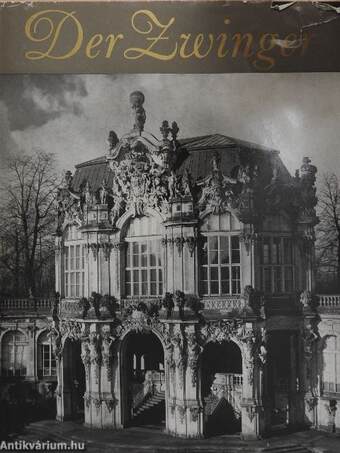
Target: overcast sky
71 116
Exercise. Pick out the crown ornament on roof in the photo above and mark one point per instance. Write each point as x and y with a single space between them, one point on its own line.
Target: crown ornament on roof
137 99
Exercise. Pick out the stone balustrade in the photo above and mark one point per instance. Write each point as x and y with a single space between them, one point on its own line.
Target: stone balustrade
225 304
26 305
329 300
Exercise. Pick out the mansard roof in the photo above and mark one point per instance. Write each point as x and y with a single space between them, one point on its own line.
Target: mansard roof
197 154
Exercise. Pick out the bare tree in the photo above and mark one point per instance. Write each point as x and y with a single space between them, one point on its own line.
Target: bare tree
28 207
328 230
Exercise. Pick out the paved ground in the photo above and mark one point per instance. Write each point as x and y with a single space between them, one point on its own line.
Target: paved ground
151 440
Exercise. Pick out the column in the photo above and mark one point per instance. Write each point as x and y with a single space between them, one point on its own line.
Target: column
253 416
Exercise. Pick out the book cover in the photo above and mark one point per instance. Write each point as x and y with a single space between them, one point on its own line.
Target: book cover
170 226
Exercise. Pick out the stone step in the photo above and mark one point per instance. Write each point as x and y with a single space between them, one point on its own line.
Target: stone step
153 401
294 448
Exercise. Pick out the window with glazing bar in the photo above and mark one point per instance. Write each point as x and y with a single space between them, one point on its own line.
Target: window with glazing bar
277 270
220 270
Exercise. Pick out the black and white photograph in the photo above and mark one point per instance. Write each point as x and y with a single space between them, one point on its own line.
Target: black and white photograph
170 261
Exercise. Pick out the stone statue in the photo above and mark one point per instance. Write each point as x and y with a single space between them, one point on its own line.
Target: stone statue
112 140
137 100
103 193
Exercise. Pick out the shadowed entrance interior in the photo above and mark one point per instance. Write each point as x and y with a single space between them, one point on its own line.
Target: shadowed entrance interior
222 388
144 380
74 381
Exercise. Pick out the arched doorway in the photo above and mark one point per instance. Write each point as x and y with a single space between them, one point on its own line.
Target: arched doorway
143 380
74 383
283 378
221 388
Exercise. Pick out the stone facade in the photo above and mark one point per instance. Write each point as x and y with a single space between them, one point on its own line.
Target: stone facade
184 273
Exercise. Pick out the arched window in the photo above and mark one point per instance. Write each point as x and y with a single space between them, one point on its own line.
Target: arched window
14 354
220 267
74 263
331 365
46 357
143 270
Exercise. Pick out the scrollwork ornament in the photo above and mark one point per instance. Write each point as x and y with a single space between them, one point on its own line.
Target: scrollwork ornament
180 357
110 404
94 247
85 357
191 242
194 350
195 412
181 411
179 242
97 403
107 358
107 247
251 412
87 400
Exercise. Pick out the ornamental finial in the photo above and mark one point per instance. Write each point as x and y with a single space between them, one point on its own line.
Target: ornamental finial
137 100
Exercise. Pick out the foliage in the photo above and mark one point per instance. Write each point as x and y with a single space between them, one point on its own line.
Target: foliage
194 303
27 204
328 234
85 304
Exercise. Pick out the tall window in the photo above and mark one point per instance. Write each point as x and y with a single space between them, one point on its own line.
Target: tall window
74 264
331 365
14 354
46 357
143 270
276 265
220 270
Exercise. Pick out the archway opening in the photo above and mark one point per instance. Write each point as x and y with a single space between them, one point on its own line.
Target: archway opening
283 372
74 383
221 388
144 380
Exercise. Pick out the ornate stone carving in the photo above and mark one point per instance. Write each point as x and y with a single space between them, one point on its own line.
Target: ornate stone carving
194 350
179 241
195 412
181 411
94 348
308 190
311 403
111 403
56 341
103 193
107 247
248 239
251 411
87 399
309 335
85 356
97 403
71 329
217 190
253 300
307 300
69 206
169 348
94 247
191 242
137 100
180 356
218 331
107 357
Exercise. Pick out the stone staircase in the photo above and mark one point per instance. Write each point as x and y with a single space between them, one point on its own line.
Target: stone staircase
150 402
